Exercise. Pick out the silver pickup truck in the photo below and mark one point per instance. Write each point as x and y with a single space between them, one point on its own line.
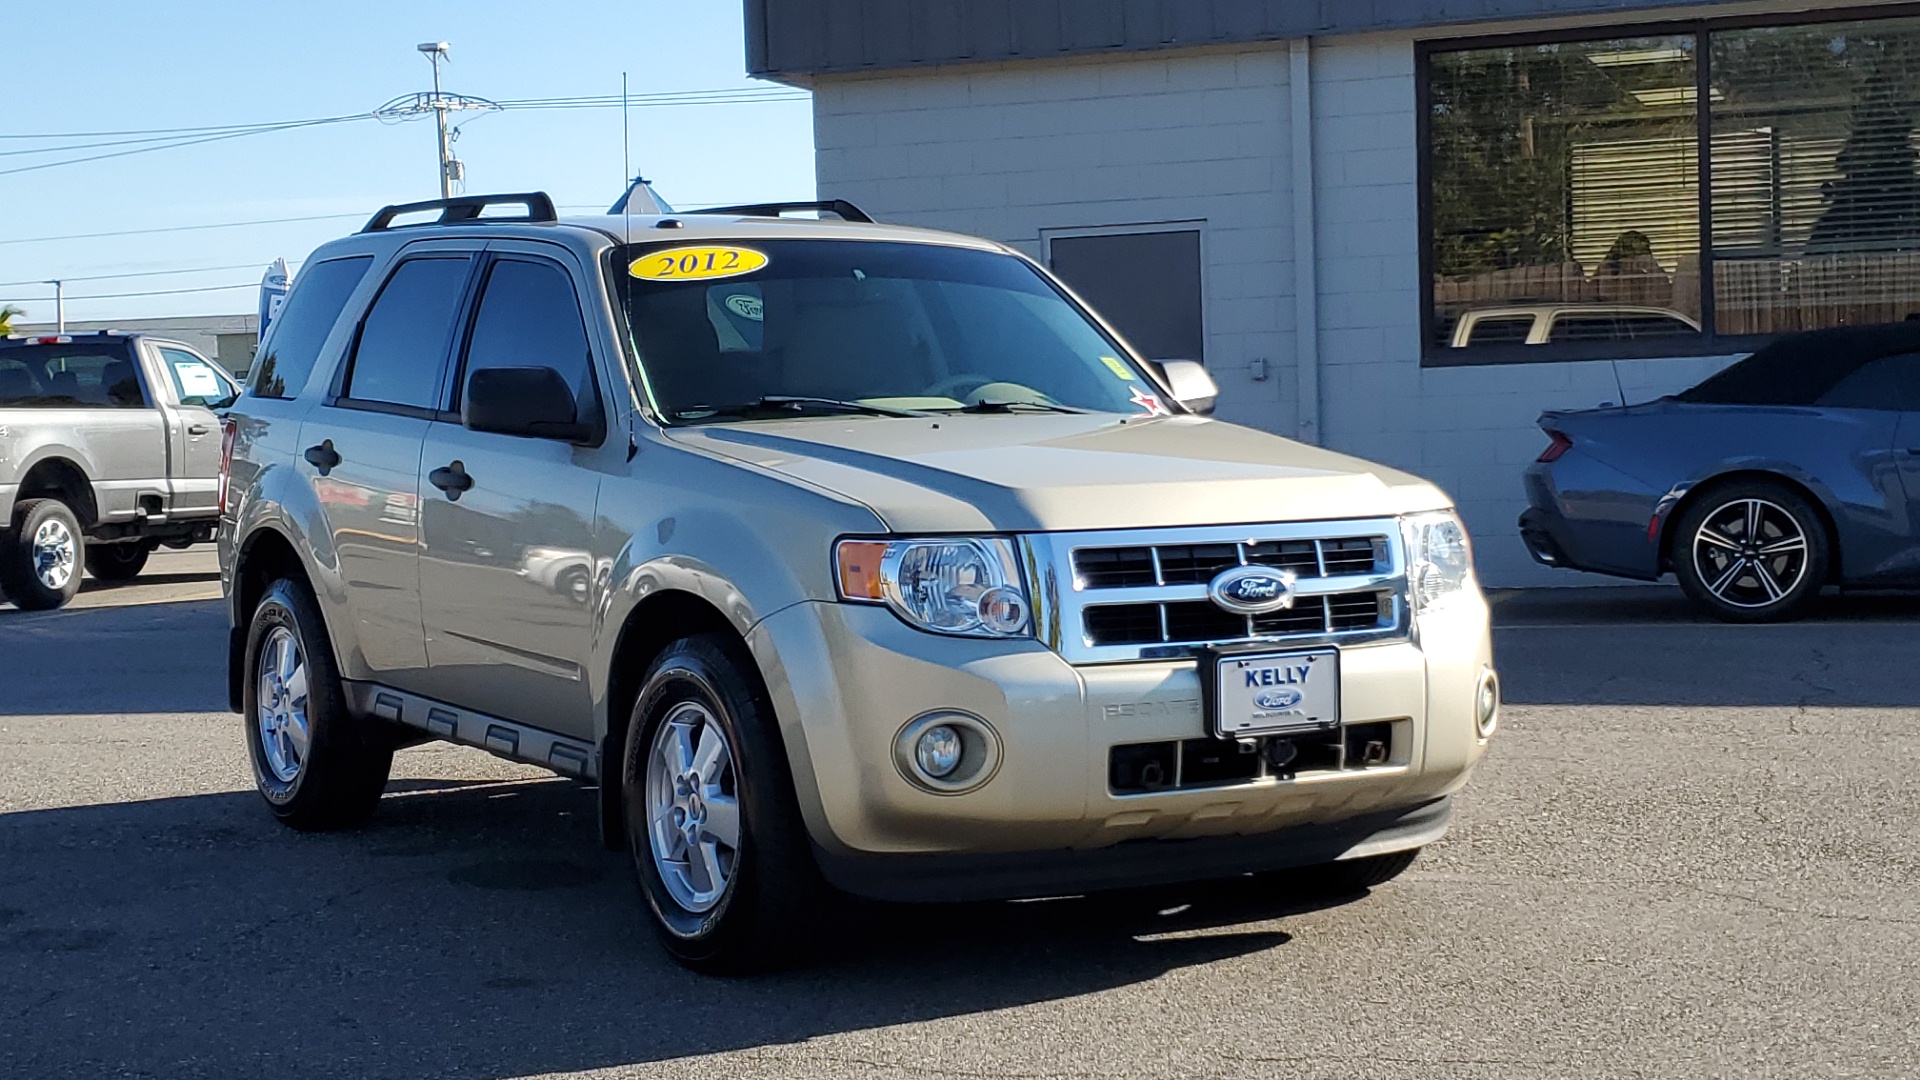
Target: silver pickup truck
109 447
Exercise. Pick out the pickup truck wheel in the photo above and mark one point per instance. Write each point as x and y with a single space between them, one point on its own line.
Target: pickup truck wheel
40 555
118 562
712 822
317 765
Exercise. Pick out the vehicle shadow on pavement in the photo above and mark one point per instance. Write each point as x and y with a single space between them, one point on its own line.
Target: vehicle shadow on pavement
479 930
1642 647
146 658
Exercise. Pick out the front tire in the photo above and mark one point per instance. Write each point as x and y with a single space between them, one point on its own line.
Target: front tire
317 765
118 562
711 819
40 555
1752 552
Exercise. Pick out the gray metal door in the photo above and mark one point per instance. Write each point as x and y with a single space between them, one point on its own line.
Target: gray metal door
193 429
508 576
361 449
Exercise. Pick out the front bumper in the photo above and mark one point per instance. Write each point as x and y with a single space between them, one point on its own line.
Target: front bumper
845 679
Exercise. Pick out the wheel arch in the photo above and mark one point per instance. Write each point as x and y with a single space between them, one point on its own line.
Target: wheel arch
55 475
654 623
1669 535
266 556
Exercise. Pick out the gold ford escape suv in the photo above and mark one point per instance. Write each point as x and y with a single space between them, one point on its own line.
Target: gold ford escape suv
843 558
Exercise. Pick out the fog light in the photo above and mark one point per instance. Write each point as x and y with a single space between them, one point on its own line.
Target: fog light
1487 705
938 751
947 752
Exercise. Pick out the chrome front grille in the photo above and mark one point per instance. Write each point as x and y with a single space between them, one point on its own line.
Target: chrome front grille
1142 594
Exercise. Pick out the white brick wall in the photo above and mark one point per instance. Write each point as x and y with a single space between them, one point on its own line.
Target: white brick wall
1009 151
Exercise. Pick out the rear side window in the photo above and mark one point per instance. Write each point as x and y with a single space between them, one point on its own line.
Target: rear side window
1891 382
403 342
1584 328
1501 330
70 377
529 317
294 340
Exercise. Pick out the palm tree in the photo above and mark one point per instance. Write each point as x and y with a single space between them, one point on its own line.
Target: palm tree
7 314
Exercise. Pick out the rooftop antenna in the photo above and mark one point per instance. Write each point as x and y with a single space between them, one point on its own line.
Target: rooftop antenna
626 233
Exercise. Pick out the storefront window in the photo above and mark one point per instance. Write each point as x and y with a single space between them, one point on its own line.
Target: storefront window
1564 189
1816 200
1566 175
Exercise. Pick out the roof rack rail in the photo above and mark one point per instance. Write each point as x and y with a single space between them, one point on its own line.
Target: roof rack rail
846 210
466 208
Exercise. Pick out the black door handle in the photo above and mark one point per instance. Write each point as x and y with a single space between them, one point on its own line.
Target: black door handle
198 429
452 479
323 457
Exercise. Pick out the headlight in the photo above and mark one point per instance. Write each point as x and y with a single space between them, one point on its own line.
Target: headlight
1439 558
967 585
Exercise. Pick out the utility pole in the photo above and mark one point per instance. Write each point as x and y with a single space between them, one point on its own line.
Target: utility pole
59 305
435 51
439 104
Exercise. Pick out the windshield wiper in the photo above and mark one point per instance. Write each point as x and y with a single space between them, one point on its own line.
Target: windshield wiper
781 403
1009 406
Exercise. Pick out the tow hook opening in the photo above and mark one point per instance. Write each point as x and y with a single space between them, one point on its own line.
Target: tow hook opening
1142 768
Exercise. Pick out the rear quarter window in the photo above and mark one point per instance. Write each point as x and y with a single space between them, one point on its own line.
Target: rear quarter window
77 376
294 340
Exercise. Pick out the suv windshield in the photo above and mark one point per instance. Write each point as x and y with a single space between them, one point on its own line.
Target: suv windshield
850 326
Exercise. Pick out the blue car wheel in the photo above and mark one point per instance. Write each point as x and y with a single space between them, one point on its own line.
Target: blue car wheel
1752 552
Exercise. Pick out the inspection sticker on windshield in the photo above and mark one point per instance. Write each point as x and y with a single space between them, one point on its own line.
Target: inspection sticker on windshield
1114 365
697 263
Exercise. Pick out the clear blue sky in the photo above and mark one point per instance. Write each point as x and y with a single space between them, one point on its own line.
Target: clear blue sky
77 66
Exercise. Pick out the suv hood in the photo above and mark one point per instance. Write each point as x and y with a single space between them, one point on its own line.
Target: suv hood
1056 472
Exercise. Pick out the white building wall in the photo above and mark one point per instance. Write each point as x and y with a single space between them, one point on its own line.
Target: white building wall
1011 151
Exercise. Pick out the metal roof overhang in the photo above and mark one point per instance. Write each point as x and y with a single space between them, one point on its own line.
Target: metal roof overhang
794 40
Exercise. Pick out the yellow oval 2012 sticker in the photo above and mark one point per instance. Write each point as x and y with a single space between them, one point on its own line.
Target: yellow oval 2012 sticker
696 263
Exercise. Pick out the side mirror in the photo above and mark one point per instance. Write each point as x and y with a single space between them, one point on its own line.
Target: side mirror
1191 385
531 402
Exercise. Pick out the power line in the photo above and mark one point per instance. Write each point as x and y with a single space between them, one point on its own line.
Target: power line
185 142
144 131
181 228
150 292
141 274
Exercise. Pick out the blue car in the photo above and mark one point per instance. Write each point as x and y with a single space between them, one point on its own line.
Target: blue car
1794 469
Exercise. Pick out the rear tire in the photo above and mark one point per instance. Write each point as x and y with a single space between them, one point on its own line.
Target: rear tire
118 562
317 765
711 819
1752 551
40 555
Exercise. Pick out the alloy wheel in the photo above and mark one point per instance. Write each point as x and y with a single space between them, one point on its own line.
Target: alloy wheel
1750 553
693 808
286 733
55 554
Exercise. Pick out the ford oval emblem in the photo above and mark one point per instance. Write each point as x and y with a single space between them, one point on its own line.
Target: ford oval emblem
1252 590
1277 699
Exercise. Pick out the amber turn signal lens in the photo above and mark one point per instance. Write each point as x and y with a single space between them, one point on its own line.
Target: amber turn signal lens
860 569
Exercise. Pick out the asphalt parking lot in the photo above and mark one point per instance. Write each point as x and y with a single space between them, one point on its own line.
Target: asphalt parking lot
1693 852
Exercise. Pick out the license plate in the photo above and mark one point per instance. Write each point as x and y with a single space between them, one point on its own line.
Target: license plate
1275 693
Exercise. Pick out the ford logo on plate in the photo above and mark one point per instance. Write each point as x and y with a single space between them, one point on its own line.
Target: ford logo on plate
1252 590
1277 699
